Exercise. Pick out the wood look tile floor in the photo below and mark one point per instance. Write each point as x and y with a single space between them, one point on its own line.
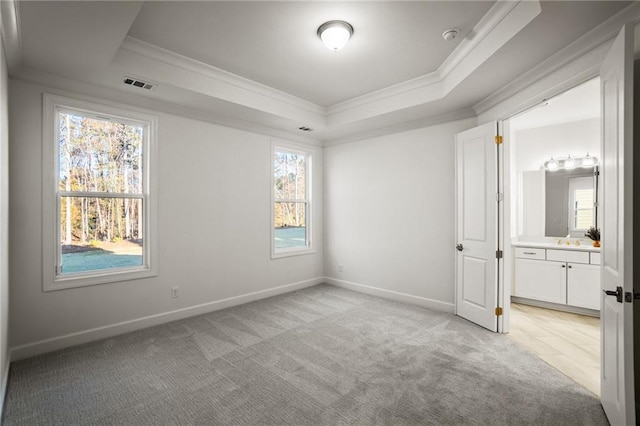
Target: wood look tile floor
567 341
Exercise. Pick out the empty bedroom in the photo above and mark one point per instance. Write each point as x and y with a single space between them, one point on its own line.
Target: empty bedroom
302 212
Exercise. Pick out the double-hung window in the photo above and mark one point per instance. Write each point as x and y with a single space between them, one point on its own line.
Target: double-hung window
291 201
98 201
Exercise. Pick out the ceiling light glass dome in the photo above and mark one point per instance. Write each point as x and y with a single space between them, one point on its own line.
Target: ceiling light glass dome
335 34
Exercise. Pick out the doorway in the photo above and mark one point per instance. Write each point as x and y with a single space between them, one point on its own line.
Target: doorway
554 268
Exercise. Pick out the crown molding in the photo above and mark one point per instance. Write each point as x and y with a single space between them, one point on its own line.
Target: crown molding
498 12
574 51
64 86
499 25
11 37
152 51
429 121
480 31
505 19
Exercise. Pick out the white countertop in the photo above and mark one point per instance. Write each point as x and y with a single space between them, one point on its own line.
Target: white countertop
582 247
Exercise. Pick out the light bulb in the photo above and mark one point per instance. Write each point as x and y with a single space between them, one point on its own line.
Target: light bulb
551 164
569 163
335 34
588 161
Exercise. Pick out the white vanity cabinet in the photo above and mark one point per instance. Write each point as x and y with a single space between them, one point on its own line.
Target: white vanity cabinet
566 277
583 285
538 279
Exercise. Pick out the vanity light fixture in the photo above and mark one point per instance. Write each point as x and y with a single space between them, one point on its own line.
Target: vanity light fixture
571 163
335 34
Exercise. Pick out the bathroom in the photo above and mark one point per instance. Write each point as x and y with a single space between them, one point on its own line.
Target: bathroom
555 268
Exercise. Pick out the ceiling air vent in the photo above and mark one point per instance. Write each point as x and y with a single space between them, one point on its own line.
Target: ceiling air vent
305 129
138 83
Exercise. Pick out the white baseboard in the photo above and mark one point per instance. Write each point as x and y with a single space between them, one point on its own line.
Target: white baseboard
436 305
556 306
48 345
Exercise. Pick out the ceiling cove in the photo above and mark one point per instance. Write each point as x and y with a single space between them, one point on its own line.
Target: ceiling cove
161 66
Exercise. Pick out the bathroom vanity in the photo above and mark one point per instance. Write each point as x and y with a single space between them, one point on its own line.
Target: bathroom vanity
553 265
557 275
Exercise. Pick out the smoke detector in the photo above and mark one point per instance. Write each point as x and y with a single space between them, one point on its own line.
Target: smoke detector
450 34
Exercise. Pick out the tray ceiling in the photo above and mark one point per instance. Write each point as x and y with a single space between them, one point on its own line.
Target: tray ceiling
261 63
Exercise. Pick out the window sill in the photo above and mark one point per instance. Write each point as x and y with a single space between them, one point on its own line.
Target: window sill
80 280
290 253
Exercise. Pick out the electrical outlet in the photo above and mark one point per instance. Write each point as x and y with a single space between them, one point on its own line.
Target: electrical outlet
340 268
174 292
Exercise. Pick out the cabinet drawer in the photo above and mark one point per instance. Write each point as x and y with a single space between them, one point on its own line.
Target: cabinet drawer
530 253
568 256
595 258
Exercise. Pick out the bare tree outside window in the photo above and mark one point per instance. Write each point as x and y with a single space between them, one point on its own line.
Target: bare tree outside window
290 199
100 183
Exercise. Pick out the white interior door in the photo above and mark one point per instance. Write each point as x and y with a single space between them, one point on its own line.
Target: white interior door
476 229
617 385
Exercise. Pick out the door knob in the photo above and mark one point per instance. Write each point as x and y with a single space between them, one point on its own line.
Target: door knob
617 293
459 247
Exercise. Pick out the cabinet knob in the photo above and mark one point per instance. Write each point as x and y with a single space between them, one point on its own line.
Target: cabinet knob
564 266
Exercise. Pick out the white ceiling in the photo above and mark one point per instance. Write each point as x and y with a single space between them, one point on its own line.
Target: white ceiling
261 65
275 43
580 103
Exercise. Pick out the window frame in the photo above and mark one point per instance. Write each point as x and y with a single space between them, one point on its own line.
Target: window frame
281 146
578 183
53 105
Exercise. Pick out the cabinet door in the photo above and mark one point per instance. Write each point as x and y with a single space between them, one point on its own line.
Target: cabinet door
541 280
583 285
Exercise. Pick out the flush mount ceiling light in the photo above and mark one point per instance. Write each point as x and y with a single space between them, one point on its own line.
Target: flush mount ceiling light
335 34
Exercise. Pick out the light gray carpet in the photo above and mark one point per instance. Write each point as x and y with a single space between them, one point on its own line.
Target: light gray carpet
322 355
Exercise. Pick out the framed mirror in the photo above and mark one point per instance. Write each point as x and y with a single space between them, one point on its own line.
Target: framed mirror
570 201
558 203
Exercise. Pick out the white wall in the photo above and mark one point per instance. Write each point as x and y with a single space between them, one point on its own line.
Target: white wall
531 203
4 225
389 215
535 146
213 238
531 148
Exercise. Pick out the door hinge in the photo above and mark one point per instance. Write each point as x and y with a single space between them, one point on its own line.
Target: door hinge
499 197
498 254
498 311
498 139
